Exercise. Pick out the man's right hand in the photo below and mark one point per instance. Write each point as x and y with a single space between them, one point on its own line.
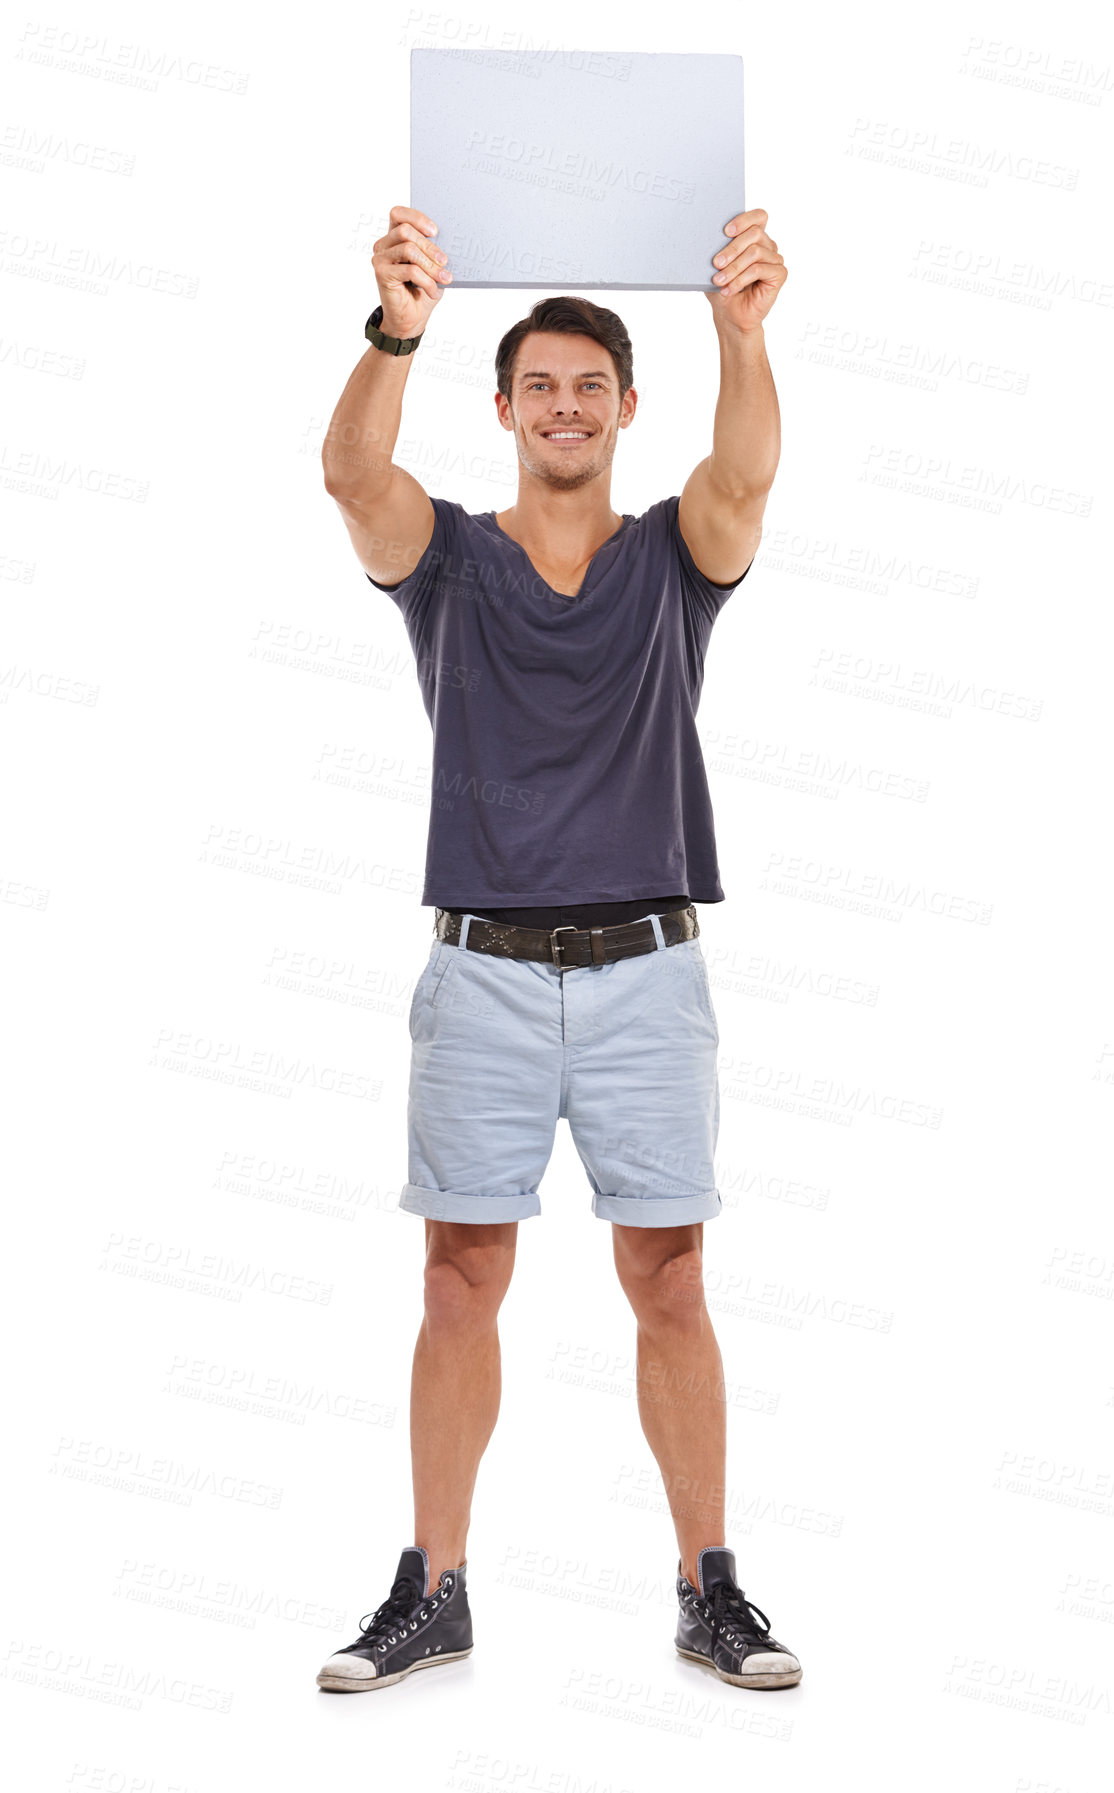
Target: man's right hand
410 271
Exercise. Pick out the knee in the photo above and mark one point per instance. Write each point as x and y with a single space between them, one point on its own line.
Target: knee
464 1289
665 1291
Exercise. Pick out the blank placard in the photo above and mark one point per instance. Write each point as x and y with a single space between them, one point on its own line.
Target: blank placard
570 168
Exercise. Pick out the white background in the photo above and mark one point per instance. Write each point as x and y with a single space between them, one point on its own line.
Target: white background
211 1294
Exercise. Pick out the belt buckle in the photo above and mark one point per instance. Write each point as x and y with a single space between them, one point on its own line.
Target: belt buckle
554 944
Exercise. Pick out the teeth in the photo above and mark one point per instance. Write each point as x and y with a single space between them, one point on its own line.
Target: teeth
566 435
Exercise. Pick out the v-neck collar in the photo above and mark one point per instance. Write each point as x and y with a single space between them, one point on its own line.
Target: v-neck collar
569 597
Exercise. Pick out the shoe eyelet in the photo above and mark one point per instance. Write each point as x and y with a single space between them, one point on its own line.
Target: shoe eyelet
413 1624
382 1646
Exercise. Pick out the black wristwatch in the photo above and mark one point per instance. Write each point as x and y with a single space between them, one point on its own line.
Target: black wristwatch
391 345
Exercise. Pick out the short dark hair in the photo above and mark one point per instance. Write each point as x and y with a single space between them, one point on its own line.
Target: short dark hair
573 316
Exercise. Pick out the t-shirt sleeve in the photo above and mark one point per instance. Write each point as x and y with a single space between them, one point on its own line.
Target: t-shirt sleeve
428 578
708 594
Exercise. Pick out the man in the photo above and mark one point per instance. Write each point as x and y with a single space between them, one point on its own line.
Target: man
560 648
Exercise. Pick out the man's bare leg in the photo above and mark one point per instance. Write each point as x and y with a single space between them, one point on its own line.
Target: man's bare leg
679 1377
456 1380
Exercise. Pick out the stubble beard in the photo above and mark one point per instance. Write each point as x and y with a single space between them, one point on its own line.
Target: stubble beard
576 476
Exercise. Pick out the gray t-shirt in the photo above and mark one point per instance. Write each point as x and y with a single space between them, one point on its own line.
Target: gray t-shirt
566 763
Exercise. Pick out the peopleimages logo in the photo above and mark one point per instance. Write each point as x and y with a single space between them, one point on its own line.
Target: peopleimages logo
491 790
128 64
575 164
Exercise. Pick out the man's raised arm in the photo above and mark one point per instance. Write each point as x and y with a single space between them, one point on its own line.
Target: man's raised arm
387 512
724 499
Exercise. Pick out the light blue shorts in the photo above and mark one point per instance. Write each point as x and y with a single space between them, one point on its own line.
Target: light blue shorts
626 1051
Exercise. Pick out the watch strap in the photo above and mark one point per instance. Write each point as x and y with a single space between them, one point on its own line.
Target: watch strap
391 345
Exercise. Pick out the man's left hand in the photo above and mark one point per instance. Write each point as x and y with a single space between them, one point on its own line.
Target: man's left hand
749 273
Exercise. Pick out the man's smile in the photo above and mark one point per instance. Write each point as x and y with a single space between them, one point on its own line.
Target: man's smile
566 435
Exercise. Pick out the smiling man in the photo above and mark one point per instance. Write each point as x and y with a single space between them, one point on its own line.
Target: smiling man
560 647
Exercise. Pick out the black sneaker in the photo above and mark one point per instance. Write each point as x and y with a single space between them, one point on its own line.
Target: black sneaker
720 1627
412 1629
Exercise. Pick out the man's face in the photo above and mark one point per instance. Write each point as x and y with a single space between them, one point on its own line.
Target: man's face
564 408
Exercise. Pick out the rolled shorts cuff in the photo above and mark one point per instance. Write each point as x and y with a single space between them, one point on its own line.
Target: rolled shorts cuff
477 1210
658 1210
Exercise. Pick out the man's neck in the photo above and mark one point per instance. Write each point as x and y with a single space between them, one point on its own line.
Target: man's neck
560 529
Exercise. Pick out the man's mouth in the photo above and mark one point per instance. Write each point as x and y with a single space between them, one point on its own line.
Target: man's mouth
566 435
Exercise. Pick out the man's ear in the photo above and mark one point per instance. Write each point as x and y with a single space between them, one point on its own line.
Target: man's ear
503 411
628 408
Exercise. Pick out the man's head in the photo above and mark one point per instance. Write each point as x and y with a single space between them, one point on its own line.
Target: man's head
564 376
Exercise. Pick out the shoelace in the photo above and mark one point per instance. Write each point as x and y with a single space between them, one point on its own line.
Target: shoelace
395 1610
730 1610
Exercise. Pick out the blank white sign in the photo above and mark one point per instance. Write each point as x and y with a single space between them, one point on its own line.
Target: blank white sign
567 168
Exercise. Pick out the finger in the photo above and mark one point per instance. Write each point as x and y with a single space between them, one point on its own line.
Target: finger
409 274
754 252
405 214
407 252
725 258
428 253
743 220
773 272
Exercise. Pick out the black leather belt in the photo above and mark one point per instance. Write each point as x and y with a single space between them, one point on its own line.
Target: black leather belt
584 946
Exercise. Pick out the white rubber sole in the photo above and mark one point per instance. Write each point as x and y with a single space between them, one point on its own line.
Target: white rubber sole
788 1679
350 1684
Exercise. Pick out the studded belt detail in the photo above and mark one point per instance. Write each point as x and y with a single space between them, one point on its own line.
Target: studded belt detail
584 946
